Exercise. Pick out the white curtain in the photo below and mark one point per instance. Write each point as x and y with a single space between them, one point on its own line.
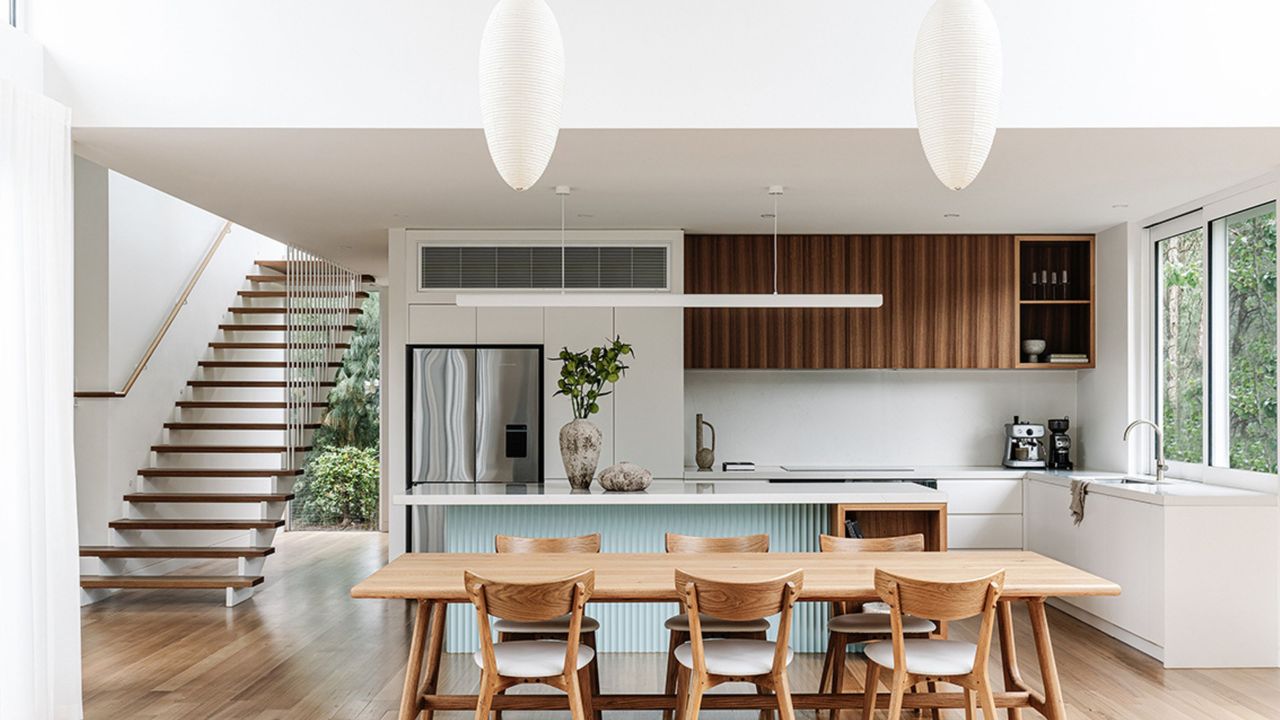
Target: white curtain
39 600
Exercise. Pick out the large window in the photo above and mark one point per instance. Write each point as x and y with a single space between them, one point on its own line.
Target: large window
1216 339
1181 282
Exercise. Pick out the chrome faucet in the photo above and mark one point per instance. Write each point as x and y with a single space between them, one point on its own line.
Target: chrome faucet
1160 463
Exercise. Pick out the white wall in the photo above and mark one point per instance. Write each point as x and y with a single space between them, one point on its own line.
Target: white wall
869 417
113 436
657 63
21 59
156 242
1103 395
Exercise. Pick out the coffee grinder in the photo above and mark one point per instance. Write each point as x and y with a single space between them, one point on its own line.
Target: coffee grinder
1060 444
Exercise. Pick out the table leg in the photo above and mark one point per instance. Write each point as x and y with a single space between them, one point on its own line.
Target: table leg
435 646
1054 708
413 670
1008 655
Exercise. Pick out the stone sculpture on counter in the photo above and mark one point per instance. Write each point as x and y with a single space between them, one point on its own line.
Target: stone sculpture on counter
625 477
704 456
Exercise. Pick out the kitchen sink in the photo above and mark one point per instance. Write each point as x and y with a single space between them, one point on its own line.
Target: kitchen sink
1122 480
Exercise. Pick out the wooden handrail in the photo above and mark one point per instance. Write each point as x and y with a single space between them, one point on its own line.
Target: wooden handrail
168 321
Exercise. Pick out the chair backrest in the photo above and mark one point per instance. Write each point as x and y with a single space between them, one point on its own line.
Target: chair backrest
899 543
735 600
581 544
530 602
938 599
695 544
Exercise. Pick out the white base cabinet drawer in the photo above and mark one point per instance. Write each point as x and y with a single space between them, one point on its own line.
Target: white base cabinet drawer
983 497
984 532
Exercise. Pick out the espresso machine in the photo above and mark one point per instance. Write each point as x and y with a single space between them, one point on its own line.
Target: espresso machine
1024 444
1060 444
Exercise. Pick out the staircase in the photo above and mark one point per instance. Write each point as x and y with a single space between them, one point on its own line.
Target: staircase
221 474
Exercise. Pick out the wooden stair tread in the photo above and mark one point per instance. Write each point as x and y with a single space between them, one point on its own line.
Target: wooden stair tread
188 524
174 551
251 327
279 278
298 310
250 383
261 345
247 449
241 404
233 426
160 582
306 293
217 472
256 363
282 266
201 497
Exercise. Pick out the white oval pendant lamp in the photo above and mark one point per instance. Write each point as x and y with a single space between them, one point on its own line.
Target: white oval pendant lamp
521 88
958 73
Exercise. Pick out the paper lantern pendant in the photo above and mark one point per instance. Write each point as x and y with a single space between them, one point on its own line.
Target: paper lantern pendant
958 72
521 88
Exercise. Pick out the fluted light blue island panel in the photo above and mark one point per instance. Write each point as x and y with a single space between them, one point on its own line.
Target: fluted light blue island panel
792 514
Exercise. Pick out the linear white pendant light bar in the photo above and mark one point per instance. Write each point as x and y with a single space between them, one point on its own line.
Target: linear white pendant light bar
661 299
640 298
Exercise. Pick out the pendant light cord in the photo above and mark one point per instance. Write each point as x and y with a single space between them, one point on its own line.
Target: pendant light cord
775 244
562 248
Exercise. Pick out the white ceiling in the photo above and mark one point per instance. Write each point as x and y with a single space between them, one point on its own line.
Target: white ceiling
337 191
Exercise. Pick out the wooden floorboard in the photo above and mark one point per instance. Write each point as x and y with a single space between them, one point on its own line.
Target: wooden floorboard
301 648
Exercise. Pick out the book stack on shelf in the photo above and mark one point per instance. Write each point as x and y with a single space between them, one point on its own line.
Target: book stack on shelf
1069 358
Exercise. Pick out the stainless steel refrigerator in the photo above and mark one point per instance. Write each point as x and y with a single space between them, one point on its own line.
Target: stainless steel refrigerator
475 415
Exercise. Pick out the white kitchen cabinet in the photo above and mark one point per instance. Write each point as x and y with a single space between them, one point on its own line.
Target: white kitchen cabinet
438 324
983 514
1119 539
984 532
578 329
997 496
509 325
652 393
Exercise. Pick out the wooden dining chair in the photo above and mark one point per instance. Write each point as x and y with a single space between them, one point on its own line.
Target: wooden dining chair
850 624
554 628
915 660
678 625
708 662
562 664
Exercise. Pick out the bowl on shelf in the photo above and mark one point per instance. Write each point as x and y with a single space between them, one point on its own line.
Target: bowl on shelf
1033 348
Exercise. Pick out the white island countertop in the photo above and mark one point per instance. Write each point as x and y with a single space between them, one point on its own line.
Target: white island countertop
808 471
674 492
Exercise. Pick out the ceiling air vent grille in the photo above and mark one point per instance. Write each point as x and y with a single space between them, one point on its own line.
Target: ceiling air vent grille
523 267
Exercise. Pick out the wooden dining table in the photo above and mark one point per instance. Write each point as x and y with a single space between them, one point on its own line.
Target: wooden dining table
435 580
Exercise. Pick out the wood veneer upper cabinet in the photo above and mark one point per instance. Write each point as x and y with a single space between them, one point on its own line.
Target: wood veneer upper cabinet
948 302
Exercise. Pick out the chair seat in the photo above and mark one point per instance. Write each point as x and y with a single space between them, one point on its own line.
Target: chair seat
533 658
934 658
736 657
553 626
680 623
878 624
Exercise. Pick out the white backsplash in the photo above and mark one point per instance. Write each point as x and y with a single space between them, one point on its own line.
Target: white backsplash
869 417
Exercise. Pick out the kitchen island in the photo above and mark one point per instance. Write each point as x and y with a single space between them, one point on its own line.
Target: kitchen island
463 518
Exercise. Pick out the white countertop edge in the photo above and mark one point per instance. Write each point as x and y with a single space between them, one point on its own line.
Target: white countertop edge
677 492
917 472
1210 496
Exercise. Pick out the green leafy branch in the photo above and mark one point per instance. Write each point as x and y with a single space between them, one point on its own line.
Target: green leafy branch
584 374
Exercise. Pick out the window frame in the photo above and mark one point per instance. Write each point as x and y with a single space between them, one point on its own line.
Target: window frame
1214 371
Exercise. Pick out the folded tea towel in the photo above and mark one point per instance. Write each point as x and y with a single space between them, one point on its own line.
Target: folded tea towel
1078 490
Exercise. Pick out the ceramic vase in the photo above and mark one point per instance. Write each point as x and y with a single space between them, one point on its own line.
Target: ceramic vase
580 451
